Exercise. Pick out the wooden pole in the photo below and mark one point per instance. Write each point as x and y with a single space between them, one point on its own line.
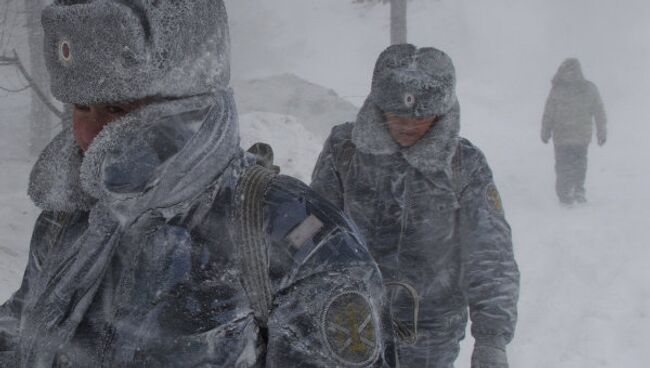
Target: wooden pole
398 21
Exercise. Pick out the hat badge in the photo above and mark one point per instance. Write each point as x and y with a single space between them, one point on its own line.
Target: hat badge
65 51
409 100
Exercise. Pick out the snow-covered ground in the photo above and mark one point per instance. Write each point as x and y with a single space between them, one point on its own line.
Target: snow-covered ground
585 296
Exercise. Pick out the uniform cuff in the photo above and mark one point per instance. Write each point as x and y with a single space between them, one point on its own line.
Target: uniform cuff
495 341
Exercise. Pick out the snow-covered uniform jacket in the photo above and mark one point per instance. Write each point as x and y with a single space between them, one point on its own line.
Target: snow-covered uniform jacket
572 107
431 217
142 256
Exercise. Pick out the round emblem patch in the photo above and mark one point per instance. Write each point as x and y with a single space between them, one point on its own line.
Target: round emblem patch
409 100
65 51
493 198
350 329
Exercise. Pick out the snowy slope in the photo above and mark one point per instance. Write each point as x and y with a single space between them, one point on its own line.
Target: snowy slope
317 108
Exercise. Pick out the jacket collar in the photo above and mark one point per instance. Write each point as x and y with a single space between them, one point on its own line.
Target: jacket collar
431 155
65 180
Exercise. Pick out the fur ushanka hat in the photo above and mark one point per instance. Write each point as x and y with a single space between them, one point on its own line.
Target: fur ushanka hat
409 81
100 51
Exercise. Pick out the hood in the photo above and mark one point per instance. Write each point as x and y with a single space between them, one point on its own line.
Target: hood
569 71
158 157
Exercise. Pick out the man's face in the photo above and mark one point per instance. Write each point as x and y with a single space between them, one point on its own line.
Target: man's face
89 120
408 130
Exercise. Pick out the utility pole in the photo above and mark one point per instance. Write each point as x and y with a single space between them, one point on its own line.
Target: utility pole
398 23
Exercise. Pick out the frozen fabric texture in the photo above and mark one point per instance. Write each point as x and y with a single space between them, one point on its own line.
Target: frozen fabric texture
445 236
432 154
172 293
154 159
414 82
151 275
63 291
111 50
57 182
427 75
136 260
54 183
572 107
127 170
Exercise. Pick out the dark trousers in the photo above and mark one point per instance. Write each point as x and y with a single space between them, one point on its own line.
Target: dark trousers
571 170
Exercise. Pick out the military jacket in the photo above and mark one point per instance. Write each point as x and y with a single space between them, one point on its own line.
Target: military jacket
176 292
450 241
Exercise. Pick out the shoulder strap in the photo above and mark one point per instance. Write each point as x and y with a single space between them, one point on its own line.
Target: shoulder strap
253 238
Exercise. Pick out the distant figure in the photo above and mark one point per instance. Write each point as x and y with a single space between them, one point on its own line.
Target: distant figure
571 108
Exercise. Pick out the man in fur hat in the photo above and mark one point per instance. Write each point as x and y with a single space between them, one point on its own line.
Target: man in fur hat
161 244
572 107
426 203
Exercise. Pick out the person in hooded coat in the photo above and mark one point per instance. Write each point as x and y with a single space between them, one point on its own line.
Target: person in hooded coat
426 203
572 107
161 243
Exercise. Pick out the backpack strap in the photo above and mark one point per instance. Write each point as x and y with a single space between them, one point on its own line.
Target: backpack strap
253 239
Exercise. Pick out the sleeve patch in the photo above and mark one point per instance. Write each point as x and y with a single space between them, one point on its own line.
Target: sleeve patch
305 231
493 199
351 330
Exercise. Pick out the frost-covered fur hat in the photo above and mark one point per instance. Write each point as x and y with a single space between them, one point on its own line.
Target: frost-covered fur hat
100 51
428 76
414 82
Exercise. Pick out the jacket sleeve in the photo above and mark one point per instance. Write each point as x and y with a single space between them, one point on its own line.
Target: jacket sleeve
548 119
11 310
600 116
329 307
325 179
491 275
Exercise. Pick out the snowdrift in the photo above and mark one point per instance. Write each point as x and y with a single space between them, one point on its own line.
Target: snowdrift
317 108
